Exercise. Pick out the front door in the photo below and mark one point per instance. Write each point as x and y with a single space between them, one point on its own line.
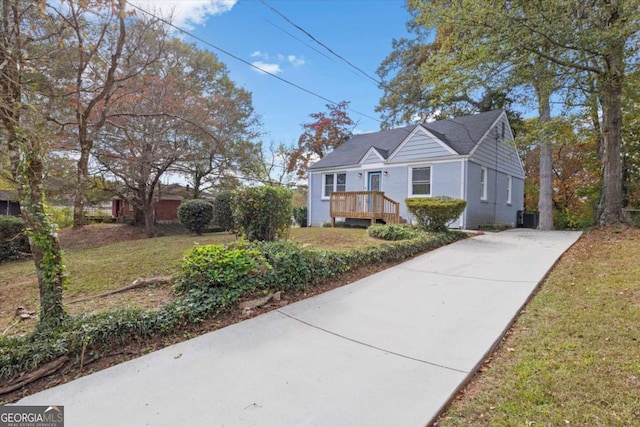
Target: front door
375 184
375 180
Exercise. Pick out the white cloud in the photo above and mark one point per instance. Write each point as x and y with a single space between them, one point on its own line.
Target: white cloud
295 61
262 55
186 14
274 63
268 67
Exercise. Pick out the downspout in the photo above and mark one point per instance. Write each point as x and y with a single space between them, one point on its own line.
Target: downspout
495 183
463 192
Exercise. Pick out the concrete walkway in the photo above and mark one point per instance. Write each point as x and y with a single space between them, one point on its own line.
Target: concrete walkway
388 350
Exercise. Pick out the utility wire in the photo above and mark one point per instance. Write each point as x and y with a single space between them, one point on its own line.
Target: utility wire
364 73
300 40
237 58
379 83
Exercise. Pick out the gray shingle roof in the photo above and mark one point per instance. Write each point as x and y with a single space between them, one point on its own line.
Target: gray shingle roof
461 134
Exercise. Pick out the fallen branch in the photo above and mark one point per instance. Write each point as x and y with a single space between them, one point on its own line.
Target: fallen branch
138 283
11 326
43 371
250 305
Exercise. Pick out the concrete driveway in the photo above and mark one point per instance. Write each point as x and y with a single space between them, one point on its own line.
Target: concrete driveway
388 350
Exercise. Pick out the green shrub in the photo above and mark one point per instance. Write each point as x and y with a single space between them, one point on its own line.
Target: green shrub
338 224
435 213
565 219
218 266
222 212
300 214
195 214
262 213
292 266
392 232
13 240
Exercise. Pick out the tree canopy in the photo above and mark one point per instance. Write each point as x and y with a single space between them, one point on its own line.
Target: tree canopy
580 57
328 131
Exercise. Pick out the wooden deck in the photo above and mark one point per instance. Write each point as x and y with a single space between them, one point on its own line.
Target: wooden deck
371 205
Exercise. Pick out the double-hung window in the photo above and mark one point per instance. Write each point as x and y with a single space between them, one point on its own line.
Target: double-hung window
334 182
421 181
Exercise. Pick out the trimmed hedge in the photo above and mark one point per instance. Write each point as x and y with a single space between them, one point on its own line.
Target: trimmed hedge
392 232
213 279
435 213
195 215
13 239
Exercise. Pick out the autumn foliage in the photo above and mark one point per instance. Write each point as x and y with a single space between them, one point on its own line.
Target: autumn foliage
326 133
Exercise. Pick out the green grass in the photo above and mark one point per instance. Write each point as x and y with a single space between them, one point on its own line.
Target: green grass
573 357
112 266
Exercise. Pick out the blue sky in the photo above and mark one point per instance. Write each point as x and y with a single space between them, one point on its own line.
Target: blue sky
359 30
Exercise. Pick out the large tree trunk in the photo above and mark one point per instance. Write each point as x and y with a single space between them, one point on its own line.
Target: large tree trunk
82 177
149 221
545 198
43 238
25 156
610 210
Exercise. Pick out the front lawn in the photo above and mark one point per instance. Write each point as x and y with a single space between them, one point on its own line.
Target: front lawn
114 265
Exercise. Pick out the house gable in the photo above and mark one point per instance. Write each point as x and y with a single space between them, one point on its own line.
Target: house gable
421 144
496 149
372 156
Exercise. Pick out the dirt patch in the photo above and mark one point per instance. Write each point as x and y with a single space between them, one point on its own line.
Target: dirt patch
97 235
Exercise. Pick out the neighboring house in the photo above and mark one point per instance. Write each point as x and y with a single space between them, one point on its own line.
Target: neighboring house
168 199
472 158
166 209
9 203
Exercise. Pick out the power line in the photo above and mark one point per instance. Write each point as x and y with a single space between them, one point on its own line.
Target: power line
237 58
379 83
300 40
364 73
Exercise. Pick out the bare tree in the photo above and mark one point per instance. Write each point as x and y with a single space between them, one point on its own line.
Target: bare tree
96 45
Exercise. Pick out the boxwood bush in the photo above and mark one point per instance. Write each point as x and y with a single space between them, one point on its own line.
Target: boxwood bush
435 213
392 232
195 214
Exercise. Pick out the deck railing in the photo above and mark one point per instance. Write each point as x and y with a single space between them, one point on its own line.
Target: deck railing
371 205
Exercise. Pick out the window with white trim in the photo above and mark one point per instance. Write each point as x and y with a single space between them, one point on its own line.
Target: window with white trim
483 183
509 187
421 181
334 182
